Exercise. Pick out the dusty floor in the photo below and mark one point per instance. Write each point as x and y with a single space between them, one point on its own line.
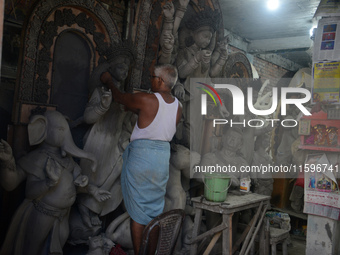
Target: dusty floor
297 247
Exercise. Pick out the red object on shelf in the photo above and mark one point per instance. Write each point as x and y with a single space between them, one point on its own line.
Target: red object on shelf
320 118
300 181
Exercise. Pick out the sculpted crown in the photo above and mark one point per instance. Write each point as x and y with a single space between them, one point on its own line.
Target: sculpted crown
206 17
122 48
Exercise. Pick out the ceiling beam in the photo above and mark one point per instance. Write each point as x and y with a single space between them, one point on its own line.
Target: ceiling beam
280 61
279 51
279 45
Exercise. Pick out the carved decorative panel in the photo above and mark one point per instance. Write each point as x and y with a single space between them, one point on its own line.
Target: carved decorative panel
47 21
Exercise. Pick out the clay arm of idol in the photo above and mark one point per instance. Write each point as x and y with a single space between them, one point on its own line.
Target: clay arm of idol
36 187
10 175
179 91
180 11
167 39
221 53
83 186
98 105
187 67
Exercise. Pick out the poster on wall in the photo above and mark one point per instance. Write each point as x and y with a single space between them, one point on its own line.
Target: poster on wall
321 188
326 82
327 40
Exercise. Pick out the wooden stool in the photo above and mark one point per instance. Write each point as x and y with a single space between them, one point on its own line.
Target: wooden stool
278 236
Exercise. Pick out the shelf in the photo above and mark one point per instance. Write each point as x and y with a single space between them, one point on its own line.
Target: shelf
302 238
319 148
319 118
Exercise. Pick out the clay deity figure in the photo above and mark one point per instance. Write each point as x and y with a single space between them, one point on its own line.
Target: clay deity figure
40 224
263 180
108 136
198 58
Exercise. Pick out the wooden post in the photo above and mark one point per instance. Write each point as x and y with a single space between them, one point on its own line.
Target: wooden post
2 8
212 243
197 224
227 235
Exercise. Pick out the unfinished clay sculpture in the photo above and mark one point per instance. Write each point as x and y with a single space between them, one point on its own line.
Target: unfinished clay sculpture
198 58
99 245
40 224
107 139
179 176
232 142
263 180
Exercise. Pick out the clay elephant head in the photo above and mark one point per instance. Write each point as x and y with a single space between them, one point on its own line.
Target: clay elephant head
53 129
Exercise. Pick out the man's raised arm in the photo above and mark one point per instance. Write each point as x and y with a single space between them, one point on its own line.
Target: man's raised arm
133 102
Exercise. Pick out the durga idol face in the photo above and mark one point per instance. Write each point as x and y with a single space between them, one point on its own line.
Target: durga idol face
202 37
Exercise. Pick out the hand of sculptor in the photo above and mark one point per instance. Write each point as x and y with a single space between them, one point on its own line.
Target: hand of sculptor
105 77
5 151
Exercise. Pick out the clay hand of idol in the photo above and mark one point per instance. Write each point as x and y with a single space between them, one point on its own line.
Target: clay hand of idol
101 195
184 3
106 98
179 92
223 111
206 56
81 181
169 10
167 41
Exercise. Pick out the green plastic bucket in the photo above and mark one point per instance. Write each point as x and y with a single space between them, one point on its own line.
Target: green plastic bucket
216 187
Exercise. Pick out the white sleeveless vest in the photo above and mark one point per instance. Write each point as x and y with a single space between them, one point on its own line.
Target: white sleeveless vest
163 127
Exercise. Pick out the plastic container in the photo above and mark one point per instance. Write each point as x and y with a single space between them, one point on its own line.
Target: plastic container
245 184
216 186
